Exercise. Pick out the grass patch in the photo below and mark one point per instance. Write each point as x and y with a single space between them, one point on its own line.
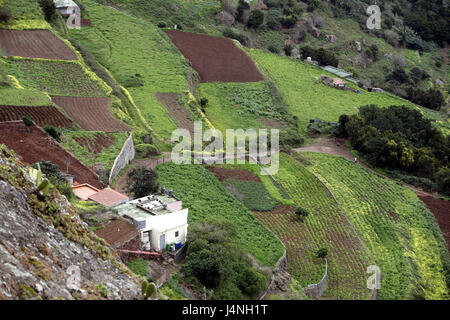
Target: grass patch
89 158
138 266
307 98
252 194
56 78
23 97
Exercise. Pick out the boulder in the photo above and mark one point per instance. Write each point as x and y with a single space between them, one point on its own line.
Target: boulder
225 17
331 38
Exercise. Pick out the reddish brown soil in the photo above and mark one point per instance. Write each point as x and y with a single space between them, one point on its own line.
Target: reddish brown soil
96 143
40 115
92 114
223 174
441 210
177 112
215 59
34 144
86 22
34 44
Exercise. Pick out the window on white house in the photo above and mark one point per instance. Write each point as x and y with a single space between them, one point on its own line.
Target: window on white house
176 233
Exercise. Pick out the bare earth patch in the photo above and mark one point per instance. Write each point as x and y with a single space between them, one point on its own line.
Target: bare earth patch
177 111
215 59
41 115
34 44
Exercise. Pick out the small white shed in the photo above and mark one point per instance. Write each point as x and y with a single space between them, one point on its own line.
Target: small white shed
66 7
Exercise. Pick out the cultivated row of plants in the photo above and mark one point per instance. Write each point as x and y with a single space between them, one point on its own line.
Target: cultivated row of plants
400 232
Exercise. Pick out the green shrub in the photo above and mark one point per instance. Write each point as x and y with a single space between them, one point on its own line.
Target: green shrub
102 289
301 213
255 19
5 14
162 24
234 34
49 9
142 181
27 120
53 132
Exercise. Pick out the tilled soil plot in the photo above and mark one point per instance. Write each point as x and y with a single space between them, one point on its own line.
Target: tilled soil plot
441 210
91 114
40 115
177 111
223 174
34 44
215 59
96 143
34 144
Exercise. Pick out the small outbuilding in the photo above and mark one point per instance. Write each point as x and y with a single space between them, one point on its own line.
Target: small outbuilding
84 191
118 233
66 7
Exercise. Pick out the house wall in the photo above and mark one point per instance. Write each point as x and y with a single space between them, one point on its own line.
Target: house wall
175 206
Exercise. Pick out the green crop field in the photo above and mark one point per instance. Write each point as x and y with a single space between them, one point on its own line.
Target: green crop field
23 97
204 195
401 233
238 105
84 146
324 227
191 15
307 97
55 77
131 48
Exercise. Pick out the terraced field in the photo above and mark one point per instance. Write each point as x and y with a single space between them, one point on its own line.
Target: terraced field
128 46
400 232
40 115
325 226
215 59
56 78
34 44
23 97
92 114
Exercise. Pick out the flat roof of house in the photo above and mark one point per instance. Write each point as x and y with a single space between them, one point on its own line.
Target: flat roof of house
108 197
117 232
339 72
84 191
64 3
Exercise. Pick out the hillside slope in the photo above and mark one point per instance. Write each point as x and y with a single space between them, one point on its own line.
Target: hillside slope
41 239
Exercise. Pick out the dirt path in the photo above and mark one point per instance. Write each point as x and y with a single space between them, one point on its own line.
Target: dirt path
445 56
338 147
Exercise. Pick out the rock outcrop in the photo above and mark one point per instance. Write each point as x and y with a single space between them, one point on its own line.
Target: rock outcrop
37 259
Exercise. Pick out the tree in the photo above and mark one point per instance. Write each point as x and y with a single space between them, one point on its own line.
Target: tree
142 181
301 213
5 14
49 9
322 253
443 180
256 19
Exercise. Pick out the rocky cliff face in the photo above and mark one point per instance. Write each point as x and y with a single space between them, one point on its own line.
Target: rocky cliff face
46 251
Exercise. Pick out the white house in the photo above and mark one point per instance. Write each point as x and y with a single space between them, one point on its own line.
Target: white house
160 219
66 7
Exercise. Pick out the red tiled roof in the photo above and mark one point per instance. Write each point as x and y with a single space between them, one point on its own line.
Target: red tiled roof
117 232
338 81
108 197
